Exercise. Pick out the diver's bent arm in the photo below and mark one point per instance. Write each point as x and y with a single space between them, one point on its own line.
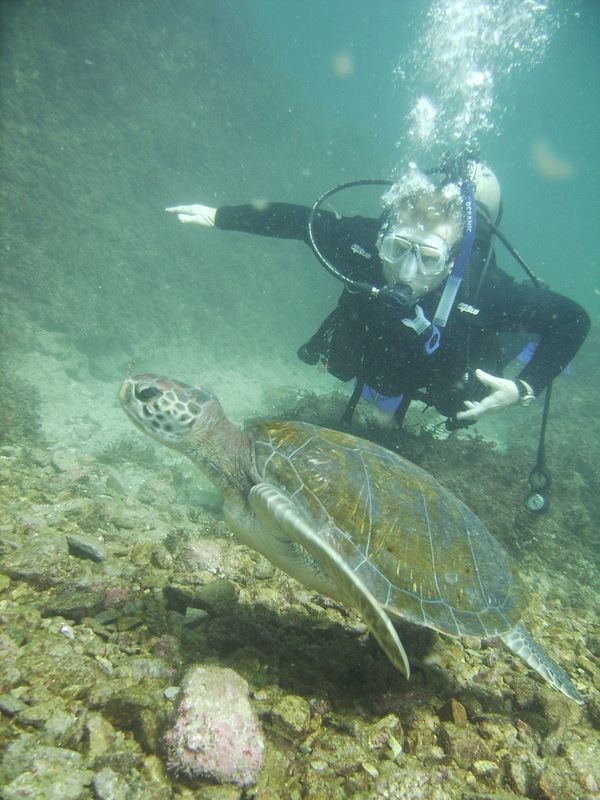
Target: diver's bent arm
561 324
562 332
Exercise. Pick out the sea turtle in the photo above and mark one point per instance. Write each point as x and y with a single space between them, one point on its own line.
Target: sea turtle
348 519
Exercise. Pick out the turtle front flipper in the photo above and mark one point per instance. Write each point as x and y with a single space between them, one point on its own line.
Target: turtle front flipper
268 502
521 643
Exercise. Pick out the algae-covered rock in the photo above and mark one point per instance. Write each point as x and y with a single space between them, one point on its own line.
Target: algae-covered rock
73 603
215 597
215 733
487 771
556 783
146 781
109 785
453 711
30 769
218 793
85 547
463 745
137 709
291 715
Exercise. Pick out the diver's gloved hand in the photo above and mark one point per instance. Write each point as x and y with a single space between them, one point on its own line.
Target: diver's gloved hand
503 393
198 214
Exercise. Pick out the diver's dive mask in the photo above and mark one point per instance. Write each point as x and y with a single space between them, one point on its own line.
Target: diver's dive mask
417 259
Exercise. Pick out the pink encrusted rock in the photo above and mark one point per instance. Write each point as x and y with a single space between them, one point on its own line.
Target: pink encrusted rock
216 733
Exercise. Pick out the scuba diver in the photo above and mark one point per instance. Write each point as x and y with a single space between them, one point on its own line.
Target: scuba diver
424 303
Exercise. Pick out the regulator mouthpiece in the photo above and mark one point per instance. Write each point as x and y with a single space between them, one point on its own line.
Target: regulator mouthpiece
401 294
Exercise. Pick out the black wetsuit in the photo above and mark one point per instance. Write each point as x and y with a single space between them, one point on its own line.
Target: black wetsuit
365 337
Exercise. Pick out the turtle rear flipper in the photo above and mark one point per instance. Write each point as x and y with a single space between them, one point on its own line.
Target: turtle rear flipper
269 502
521 643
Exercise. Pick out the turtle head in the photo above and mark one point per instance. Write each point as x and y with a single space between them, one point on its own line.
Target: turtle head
190 419
171 412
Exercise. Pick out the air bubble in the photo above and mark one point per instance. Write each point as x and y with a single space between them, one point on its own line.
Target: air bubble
462 60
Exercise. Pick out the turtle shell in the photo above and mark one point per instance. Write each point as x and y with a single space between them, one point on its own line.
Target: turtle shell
422 553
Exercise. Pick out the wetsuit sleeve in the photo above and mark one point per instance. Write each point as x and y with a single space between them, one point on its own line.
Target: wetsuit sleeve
280 220
561 324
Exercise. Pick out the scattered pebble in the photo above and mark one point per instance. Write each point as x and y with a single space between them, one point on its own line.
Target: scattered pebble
85 547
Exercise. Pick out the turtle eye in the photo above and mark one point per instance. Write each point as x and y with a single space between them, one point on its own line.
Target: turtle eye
146 394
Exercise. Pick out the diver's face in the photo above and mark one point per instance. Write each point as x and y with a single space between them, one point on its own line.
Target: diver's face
415 258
